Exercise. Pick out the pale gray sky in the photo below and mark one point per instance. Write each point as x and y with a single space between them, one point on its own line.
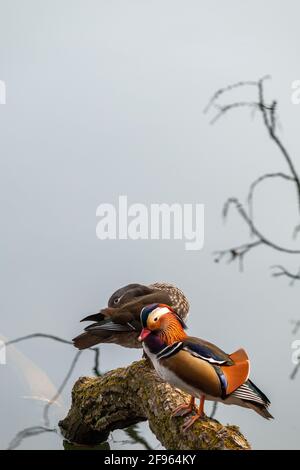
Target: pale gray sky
105 98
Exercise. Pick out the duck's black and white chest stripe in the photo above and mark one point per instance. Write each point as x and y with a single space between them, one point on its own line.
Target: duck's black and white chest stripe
169 351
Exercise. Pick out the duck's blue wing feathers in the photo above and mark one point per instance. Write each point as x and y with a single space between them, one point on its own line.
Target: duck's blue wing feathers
206 351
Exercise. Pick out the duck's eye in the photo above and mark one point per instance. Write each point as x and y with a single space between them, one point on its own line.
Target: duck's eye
116 301
155 319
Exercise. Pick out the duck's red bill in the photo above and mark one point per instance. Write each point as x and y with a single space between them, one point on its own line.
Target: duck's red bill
144 333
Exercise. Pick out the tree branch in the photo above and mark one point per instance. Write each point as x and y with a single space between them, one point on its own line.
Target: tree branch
95 350
238 252
129 395
296 328
269 123
259 180
239 104
282 271
269 117
221 91
35 430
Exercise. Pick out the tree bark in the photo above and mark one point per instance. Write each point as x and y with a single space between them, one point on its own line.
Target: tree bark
126 396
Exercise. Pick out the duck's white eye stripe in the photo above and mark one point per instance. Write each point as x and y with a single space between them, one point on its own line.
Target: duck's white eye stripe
162 310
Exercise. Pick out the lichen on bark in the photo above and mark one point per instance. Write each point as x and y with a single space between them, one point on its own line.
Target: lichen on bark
126 396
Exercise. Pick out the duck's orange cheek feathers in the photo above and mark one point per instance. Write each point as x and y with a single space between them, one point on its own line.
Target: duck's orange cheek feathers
153 325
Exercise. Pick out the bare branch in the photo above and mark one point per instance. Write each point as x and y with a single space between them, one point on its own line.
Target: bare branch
259 180
95 350
28 432
214 410
224 109
221 91
37 335
60 389
295 371
236 253
282 271
131 431
269 115
273 115
239 252
296 327
35 430
268 121
239 207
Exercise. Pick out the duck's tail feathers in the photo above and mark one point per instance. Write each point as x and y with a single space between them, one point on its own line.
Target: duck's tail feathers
262 410
128 339
253 398
86 340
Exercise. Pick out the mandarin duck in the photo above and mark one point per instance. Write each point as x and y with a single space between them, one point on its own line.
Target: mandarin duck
119 323
196 366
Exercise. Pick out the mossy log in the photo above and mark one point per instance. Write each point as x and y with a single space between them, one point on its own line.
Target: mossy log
126 396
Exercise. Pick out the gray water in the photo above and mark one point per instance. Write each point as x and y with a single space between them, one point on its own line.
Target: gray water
104 99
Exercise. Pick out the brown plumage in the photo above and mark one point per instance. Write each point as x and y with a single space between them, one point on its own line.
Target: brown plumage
119 322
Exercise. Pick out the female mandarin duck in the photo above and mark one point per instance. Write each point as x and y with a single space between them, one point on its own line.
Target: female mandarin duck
119 323
196 366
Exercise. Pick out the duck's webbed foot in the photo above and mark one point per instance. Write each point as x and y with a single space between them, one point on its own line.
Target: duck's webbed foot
199 415
184 409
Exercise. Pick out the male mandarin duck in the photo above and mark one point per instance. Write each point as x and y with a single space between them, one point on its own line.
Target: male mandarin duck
196 366
119 323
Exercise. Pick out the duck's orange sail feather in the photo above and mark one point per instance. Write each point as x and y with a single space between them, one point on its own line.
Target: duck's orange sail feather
238 373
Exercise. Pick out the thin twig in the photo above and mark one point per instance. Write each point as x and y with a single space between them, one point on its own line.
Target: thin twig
224 109
95 350
132 431
259 180
214 409
296 327
37 335
238 252
60 389
221 91
282 271
35 430
270 120
28 432
268 123
295 371
269 116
